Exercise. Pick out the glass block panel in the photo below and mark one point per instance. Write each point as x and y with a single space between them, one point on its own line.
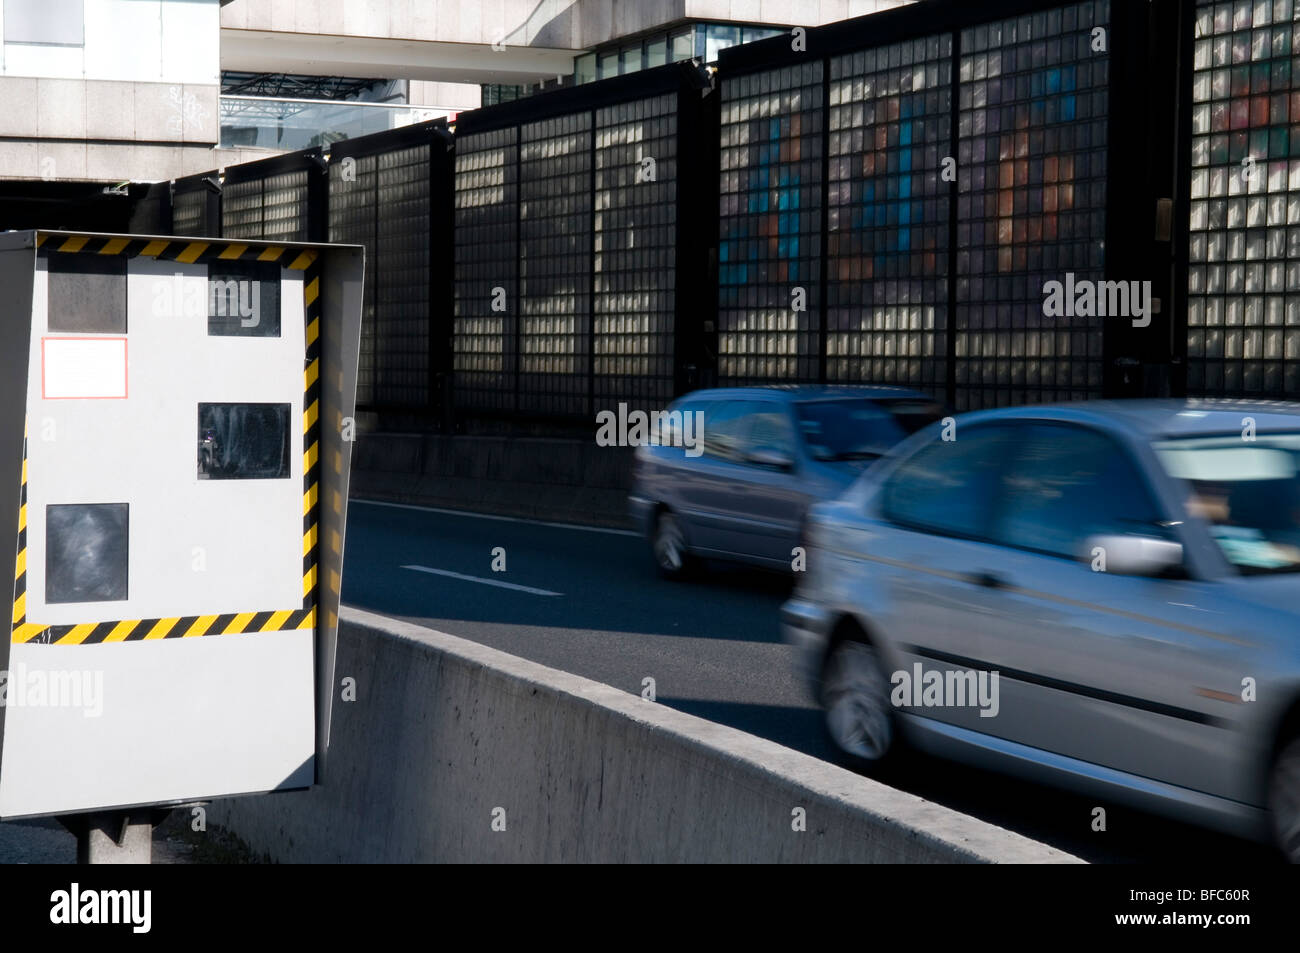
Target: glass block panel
353 221
273 208
769 254
888 214
1243 290
635 252
555 264
487 221
402 277
1032 155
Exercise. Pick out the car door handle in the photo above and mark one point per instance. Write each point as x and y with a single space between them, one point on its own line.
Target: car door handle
987 580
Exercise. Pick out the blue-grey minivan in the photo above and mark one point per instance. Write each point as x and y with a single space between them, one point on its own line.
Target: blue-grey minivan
740 489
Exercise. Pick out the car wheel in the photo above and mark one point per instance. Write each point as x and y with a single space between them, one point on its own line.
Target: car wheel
855 698
1284 799
669 546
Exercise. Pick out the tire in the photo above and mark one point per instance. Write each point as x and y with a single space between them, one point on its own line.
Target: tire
668 546
1284 799
857 713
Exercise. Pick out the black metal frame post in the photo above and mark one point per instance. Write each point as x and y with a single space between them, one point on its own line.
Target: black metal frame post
1178 18
696 293
442 304
954 219
1141 127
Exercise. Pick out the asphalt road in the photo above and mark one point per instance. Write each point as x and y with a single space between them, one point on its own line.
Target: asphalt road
589 602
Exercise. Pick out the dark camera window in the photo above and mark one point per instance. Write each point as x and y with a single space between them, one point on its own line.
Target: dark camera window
244 299
243 441
87 293
86 548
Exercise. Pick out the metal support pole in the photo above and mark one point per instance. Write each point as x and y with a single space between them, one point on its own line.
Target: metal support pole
113 837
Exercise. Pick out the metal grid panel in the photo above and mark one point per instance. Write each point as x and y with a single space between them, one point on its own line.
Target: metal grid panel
770 226
635 253
487 212
1243 311
1034 101
887 216
352 220
402 278
555 264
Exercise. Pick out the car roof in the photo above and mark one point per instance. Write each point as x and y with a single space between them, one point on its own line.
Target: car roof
1159 418
801 392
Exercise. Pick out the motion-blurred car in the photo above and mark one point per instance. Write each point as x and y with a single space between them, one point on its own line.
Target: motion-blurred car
767 454
1130 570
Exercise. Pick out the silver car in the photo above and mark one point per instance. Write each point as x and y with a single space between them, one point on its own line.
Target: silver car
1103 596
766 454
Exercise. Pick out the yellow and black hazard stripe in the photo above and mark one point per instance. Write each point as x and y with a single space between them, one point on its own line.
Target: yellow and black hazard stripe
140 630
186 251
179 627
311 434
20 564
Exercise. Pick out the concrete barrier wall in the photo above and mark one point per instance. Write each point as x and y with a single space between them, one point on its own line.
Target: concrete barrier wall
558 479
444 732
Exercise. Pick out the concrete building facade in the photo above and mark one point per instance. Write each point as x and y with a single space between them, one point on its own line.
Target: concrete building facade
140 90
108 89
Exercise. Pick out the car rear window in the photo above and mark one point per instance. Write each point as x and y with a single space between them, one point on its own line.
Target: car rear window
913 414
847 429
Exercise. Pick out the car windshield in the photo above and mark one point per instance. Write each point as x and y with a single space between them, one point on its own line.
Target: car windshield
1248 491
847 429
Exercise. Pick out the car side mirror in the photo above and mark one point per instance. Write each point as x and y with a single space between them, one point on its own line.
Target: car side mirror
1132 555
767 457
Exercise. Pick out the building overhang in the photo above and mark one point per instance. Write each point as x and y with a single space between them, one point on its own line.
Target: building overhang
258 51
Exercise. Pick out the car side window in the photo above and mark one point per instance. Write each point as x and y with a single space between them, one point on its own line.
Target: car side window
1068 483
770 429
725 424
948 487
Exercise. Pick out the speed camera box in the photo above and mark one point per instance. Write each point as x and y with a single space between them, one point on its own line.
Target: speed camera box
175 425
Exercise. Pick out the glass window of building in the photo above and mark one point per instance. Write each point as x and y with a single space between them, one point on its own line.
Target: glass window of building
632 58
719 37
584 68
656 52
750 34
683 45
47 22
495 93
609 64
